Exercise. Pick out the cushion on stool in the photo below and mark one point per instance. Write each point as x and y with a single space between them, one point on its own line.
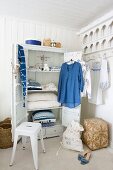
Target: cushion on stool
95 134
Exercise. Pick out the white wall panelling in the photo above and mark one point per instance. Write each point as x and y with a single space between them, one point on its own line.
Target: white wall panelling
14 30
102 42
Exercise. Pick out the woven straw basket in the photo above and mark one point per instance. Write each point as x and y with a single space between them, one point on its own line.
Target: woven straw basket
47 42
5 134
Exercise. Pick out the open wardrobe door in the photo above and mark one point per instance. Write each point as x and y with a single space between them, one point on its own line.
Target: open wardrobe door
18 107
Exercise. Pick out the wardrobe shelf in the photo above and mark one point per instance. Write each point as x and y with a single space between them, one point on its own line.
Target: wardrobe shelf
41 91
48 108
36 70
56 123
43 48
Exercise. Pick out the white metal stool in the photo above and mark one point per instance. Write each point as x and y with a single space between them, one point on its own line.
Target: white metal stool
32 130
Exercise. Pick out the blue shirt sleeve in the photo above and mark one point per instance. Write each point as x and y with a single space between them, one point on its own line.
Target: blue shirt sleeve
81 79
59 85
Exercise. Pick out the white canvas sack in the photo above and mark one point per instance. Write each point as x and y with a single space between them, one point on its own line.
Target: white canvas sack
72 137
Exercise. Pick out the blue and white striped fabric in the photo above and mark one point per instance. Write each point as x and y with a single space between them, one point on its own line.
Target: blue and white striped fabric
22 62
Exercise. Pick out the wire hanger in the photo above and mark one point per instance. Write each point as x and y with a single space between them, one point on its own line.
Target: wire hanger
71 61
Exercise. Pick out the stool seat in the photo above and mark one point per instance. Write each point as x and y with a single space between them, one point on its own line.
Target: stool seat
27 128
32 130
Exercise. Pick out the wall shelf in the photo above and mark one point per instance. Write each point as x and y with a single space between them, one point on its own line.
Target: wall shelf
98 39
98 51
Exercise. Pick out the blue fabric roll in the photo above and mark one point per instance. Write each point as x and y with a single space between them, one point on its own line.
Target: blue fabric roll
43 114
33 42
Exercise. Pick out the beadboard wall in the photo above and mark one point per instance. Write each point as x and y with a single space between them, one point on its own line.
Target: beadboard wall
14 30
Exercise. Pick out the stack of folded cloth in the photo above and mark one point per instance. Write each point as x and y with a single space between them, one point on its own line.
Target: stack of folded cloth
45 117
49 87
32 85
39 101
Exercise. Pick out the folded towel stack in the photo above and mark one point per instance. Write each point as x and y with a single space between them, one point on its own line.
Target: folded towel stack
32 85
45 117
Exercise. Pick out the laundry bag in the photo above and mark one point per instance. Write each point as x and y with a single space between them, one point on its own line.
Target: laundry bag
72 137
95 134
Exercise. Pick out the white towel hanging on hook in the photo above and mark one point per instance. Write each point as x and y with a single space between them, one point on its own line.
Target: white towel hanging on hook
104 77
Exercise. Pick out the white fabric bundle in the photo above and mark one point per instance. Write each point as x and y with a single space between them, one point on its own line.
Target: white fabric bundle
71 137
87 80
33 97
42 105
104 78
49 87
42 100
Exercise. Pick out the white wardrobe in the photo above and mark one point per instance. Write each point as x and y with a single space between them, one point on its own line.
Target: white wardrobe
35 56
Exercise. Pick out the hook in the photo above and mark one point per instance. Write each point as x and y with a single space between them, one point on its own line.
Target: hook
104 56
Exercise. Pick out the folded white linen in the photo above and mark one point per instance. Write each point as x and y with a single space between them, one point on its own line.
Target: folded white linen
42 104
33 97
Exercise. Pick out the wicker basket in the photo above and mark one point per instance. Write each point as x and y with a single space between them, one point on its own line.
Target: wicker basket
47 42
7 120
5 135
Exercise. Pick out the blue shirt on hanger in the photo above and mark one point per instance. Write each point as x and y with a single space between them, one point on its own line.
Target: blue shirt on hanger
71 84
